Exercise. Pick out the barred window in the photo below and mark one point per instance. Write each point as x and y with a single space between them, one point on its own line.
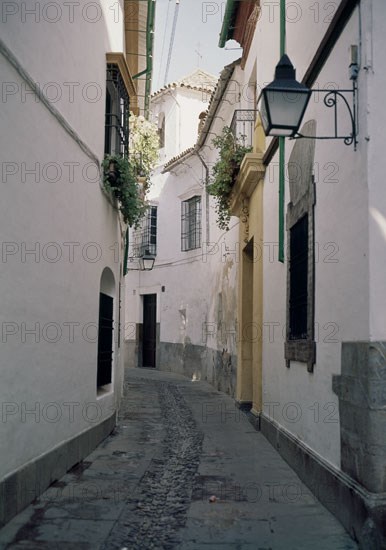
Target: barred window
146 236
298 279
191 223
161 130
117 113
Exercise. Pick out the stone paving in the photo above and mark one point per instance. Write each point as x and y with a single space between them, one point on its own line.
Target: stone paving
183 470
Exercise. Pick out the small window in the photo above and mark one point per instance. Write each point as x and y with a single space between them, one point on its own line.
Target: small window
146 236
298 280
201 123
191 224
117 113
105 340
161 130
105 330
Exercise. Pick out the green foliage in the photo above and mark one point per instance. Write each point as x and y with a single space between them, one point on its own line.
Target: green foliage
143 146
224 173
122 176
121 180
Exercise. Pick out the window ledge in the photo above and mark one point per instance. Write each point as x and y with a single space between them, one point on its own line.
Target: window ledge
303 351
252 170
117 58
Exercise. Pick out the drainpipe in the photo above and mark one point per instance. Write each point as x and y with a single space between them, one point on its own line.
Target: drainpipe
149 53
126 255
206 196
282 143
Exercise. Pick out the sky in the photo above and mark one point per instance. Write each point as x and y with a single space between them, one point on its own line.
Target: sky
198 28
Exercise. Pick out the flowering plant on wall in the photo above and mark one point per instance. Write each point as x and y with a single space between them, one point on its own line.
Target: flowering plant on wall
143 146
129 178
121 180
224 173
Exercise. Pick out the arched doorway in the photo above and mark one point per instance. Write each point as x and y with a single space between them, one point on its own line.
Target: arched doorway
105 328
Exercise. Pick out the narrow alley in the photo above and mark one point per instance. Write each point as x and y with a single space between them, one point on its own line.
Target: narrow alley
192 280
183 469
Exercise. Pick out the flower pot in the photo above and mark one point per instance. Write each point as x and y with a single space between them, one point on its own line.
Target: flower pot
112 173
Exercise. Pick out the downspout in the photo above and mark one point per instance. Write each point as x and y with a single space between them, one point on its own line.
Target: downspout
206 196
282 143
149 53
126 256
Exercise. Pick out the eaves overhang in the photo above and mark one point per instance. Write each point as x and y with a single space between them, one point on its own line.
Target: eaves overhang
227 28
214 104
139 31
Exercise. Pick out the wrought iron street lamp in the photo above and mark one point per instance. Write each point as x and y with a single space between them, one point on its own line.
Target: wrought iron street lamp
283 101
146 262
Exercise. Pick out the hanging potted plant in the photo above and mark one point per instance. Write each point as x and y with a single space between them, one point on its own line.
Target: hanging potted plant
224 173
121 181
128 179
112 172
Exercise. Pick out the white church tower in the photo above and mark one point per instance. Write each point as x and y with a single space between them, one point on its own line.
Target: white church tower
178 109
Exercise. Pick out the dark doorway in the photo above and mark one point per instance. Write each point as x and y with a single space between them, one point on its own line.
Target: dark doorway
105 340
149 330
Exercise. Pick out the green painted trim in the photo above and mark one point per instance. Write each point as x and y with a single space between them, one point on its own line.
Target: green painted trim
282 143
140 74
226 32
125 270
281 197
149 53
282 28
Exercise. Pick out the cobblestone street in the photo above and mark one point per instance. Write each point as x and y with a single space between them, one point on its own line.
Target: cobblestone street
184 469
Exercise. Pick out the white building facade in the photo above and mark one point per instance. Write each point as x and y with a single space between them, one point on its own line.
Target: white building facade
321 400
62 236
181 316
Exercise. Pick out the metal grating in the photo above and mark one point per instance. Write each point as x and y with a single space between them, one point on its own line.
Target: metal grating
243 126
191 223
117 113
299 279
146 237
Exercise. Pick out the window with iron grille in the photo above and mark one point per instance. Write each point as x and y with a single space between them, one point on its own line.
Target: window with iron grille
117 113
191 223
298 300
161 130
146 236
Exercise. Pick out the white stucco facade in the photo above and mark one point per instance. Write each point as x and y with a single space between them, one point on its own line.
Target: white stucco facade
349 219
61 234
196 289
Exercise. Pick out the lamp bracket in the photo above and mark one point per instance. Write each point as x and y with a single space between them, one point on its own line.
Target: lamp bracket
332 99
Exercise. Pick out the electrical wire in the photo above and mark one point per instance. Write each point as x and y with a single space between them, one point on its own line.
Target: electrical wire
176 10
163 45
197 257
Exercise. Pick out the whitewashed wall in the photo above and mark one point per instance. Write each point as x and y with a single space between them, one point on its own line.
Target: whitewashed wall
301 402
182 107
55 291
372 130
190 309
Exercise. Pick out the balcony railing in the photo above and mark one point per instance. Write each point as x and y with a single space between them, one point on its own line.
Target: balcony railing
243 126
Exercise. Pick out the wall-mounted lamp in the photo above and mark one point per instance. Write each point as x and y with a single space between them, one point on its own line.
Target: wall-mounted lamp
146 262
284 101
